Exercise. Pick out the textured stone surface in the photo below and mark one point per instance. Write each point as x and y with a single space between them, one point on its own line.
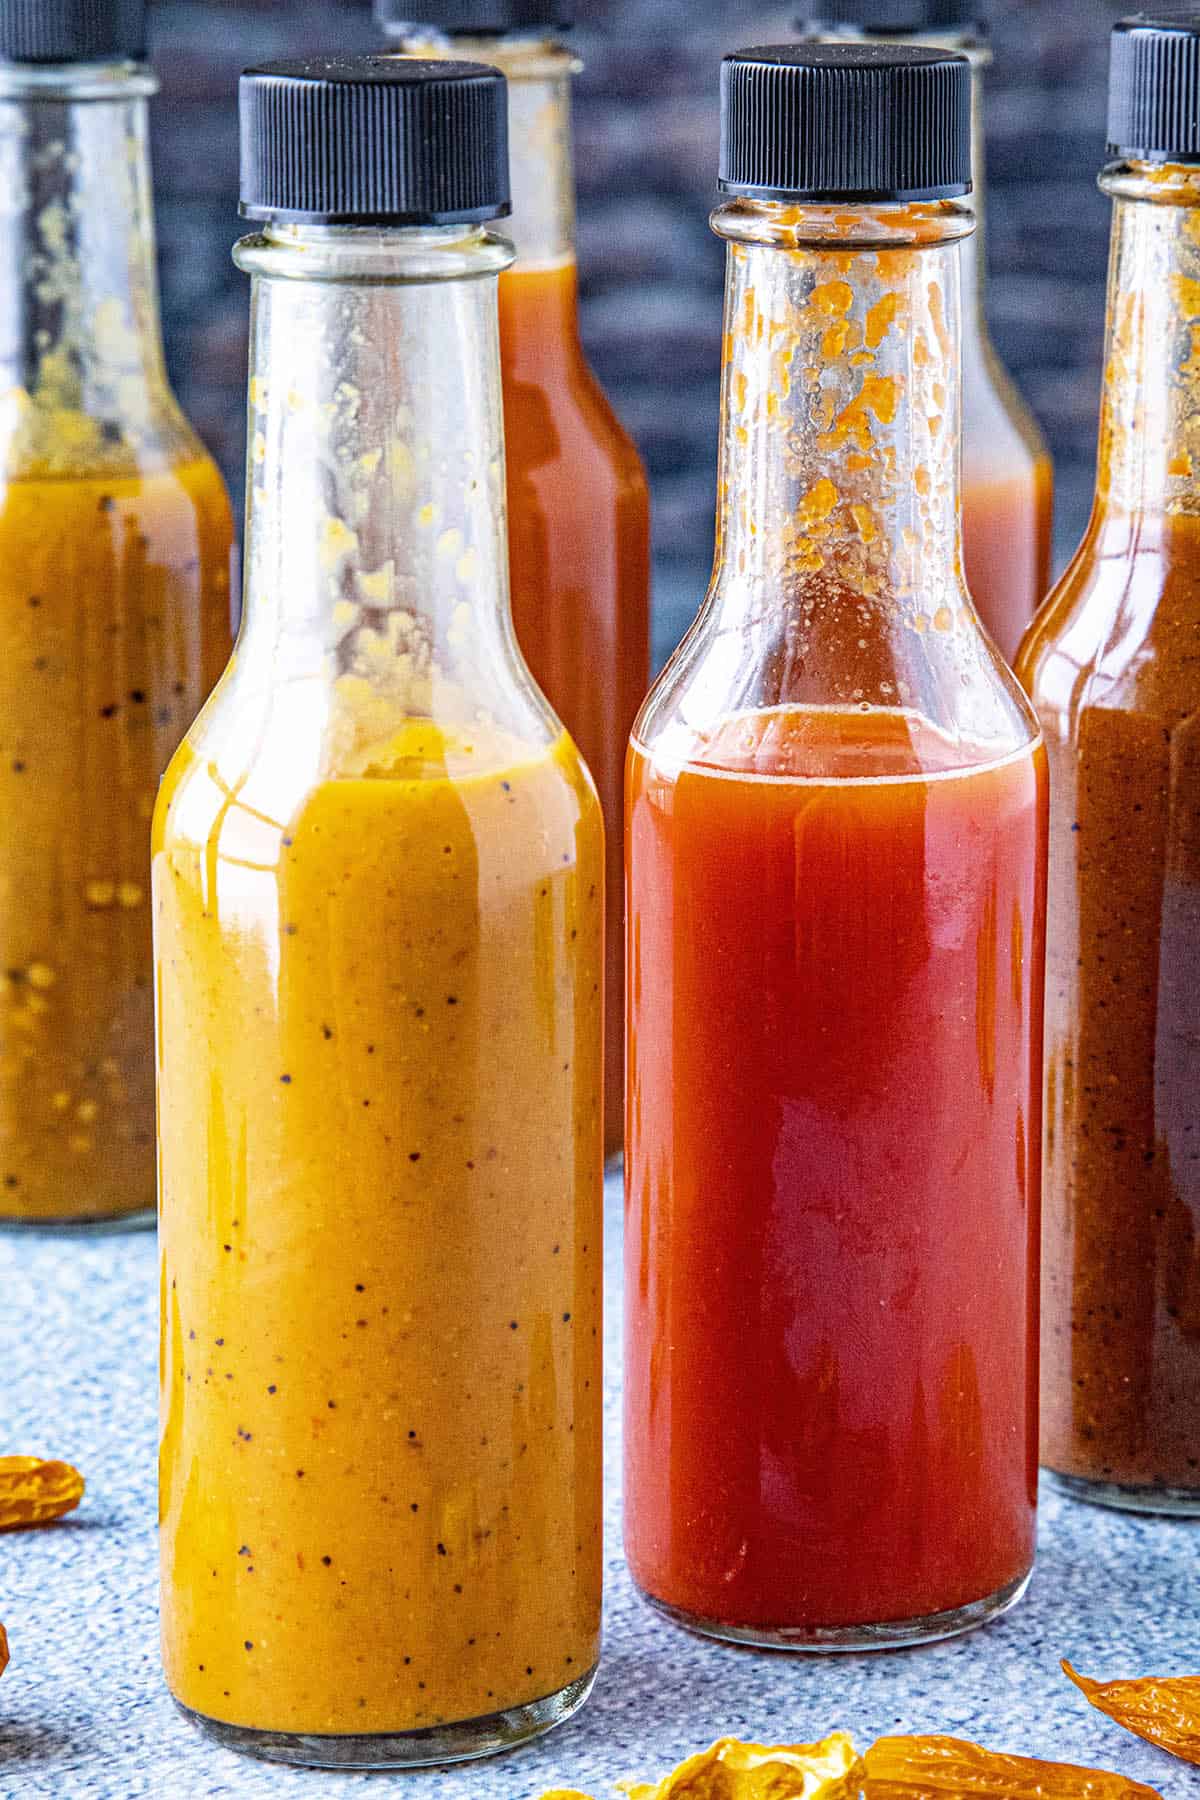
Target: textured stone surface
647 132
83 1713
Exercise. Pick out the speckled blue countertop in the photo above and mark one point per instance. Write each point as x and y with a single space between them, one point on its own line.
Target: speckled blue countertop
83 1711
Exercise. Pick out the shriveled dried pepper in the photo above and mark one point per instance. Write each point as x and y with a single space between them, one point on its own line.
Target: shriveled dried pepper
926 1768
895 1768
1163 1709
730 1770
33 1492
3 1649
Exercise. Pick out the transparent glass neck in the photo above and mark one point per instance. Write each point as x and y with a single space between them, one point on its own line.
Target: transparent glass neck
376 547
1149 452
837 580
839 451
539 72
81 363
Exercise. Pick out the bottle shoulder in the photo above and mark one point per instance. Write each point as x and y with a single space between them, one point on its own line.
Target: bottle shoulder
756 657
258 754
1121 630
559 418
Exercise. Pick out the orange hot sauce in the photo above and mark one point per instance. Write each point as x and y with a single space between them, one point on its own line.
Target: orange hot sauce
1008 528
579 554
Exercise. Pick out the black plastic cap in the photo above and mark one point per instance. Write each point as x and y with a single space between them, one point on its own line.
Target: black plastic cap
829 122
374 140
895 18
1154 88
70 31
475 18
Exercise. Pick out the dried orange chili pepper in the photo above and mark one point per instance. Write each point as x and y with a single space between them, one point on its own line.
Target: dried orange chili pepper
33 1492
3 1649
1164 1710
924 1768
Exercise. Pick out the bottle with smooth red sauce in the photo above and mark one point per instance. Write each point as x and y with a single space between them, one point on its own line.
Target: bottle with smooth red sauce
578 503
1008 477
1113 667
836 839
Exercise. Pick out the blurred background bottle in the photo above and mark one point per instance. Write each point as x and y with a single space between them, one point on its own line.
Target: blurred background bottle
115 546
1008 478
578 504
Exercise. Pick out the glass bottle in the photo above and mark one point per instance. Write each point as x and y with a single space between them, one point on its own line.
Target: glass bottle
1008 477
836 890
1113 666
115 544
578 503
378 883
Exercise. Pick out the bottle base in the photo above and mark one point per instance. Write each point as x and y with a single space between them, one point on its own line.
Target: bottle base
83 1225
463 1741
1179 1503
892 1634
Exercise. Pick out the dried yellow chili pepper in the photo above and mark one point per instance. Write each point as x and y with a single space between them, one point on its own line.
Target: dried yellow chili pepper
926 1768
33 1492
1164 1710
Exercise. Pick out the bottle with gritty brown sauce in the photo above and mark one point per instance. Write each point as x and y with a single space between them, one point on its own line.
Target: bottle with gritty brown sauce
1113 666
115 541
578 504
1008 477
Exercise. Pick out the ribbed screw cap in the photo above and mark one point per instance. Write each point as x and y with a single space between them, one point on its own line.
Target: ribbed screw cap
478 18
1154 87
845 122
66 31
363 140
896 17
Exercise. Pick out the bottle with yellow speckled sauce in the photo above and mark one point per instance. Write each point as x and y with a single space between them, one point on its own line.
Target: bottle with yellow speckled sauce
115 545
378 886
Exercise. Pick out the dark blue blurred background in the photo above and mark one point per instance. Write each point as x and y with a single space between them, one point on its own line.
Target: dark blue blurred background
646 125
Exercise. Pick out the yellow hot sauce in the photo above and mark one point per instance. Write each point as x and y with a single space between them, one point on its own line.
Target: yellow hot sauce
379 1014
114 624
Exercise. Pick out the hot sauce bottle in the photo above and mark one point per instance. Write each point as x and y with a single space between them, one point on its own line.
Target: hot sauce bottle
836 835
115 542
578 504
378 892
1008 477
1113 666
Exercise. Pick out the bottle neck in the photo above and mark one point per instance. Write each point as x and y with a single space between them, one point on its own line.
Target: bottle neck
839 463
81 360
1149 452
376 548
539 72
